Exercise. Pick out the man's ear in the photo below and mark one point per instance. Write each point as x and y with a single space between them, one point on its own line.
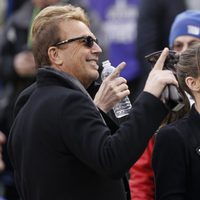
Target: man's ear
193 83
54 56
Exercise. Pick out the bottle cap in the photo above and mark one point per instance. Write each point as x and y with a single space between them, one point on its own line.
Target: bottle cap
106 63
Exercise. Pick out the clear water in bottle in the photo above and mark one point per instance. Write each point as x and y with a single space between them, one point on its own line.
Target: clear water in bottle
122 108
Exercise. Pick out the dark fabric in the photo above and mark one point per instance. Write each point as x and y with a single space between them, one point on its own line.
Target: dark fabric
61 148
176 159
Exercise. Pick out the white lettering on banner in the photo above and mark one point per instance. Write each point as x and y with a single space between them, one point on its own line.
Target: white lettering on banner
121 32
194 30
121 23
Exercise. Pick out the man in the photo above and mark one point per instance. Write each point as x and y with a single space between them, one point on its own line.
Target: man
17 71
184 32
59 144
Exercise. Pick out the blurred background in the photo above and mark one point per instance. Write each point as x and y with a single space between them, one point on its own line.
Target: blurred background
127 30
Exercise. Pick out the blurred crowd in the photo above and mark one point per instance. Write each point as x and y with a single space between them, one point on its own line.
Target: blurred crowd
127 30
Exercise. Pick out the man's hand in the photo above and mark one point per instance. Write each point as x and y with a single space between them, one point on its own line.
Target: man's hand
112 90
158 78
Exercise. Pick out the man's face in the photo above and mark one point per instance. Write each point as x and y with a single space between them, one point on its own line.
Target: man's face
181 43
77 59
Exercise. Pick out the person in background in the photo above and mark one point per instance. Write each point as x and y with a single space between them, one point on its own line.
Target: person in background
156 16
77 154
184 32
176 153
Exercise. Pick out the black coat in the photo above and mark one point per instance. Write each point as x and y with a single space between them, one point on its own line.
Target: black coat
176 159
61 148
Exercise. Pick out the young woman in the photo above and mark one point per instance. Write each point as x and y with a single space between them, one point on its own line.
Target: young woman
176 155
184 32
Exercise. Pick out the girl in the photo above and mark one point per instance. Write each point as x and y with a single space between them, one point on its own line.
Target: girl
176 155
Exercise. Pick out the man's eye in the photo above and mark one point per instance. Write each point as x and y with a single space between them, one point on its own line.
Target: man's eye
178 47
193 43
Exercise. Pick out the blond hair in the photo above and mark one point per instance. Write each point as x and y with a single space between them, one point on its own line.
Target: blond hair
45 29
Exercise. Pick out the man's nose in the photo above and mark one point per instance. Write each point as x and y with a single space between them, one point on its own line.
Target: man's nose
185 46
96 48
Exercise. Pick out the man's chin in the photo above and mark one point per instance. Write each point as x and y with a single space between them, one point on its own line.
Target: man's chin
95 75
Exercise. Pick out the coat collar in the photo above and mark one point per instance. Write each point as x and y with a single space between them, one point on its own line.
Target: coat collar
49 74
194 115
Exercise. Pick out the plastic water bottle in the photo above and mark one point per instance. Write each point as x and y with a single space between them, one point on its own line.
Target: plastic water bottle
122 108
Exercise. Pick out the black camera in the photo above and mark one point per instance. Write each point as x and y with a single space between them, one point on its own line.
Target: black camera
172 96
170 61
